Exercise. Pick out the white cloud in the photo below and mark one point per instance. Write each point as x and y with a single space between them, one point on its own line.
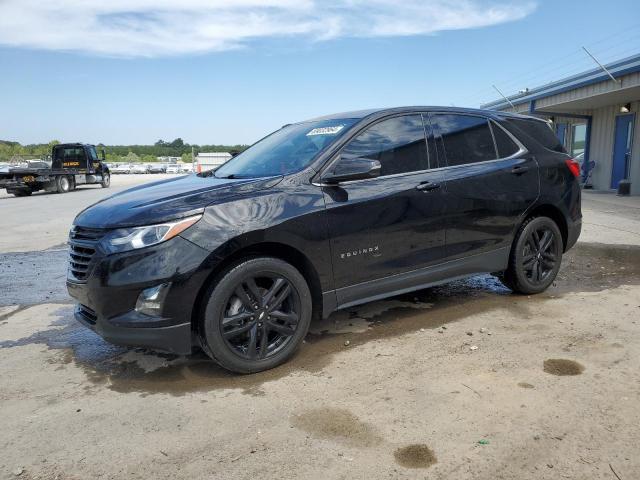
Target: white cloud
151 28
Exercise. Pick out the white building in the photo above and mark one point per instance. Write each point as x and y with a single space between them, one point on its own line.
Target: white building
209 160
594 115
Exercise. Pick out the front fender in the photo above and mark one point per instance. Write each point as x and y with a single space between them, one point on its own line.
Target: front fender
294 217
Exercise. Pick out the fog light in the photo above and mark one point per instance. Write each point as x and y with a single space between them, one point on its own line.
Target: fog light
151 299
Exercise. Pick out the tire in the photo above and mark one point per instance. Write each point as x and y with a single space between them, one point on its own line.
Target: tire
535 256
63 184
106 180
235 324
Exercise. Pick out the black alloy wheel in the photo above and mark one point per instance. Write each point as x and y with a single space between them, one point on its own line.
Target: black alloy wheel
257 314
539 254
261 316
536 256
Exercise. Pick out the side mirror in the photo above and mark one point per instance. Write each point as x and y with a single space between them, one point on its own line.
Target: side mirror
103 154
346 169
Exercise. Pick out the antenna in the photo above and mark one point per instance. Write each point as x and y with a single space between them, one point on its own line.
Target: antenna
601 66
502 95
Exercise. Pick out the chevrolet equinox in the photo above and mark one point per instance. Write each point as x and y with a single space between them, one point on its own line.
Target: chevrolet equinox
322 215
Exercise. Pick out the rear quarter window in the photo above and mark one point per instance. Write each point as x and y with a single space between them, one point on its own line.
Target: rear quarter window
539 131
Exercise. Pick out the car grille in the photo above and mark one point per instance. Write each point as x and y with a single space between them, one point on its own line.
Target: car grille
82 248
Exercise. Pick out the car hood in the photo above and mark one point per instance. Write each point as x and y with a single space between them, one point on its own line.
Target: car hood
165 200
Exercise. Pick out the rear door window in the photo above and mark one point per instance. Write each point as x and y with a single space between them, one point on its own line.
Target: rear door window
505 145
398 143
466 138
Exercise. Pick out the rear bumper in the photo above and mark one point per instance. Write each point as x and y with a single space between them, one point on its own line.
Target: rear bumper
573 233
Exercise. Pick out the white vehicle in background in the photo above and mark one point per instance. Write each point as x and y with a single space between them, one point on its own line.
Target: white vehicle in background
124 168
173 168
139 169
186 168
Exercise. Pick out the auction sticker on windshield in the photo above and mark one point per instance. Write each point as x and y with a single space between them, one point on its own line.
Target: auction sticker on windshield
325 130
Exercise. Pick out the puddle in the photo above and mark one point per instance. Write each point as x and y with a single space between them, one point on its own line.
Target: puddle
525 385
337 424
562 367
415 456
587 267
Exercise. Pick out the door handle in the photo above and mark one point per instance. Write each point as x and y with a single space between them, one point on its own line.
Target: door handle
427 186
519 170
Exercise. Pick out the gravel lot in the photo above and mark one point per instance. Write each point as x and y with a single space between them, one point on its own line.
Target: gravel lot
464 381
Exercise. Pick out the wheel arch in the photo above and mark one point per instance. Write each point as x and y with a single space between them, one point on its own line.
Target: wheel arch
555 214
278 250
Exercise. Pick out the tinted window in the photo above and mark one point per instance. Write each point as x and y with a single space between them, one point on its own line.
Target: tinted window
539 131
285 151
69 154
398 144
93 153
506 146
467 139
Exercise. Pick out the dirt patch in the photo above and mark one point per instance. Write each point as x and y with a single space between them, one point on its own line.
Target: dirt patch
525 385
562 367
593 267
415 456
337 424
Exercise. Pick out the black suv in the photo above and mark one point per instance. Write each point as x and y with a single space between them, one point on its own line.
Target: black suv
322 215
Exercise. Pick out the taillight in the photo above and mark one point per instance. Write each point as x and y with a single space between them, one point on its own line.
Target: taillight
574 167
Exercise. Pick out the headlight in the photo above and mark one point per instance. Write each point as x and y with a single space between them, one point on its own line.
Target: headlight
132 238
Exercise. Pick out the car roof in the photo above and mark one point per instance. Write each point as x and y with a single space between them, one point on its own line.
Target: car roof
379 112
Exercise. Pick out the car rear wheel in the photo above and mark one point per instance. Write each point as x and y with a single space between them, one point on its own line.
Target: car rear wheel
257 314
535 257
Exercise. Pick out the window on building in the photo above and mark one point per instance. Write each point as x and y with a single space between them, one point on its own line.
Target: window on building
466 138
578 139
398 144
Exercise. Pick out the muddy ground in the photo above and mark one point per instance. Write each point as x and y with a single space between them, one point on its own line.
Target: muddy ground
463 381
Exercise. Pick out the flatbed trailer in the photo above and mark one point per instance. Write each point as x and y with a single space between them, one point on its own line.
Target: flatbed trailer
72 164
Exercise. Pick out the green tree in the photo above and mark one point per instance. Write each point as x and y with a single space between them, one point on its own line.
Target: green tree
132 158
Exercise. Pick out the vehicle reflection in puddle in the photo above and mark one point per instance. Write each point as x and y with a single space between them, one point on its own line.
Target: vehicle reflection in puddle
588 267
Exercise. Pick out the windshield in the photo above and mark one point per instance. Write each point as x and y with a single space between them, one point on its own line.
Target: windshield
285 151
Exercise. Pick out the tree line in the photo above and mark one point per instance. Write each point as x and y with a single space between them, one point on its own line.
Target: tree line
121 153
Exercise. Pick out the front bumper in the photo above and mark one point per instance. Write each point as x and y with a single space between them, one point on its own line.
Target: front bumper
107 298
173 338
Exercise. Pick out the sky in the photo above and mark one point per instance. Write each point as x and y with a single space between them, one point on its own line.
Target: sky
228 72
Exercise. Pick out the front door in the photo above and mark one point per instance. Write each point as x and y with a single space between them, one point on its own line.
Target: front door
393 223
490 182
623 139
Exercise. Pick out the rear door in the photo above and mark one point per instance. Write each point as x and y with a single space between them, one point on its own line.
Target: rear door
490 179
393 223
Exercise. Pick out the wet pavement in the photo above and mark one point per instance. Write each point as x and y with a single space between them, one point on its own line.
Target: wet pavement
465 380
587 268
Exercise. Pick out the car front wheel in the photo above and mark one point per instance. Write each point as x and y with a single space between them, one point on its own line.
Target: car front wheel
257 315
535 256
